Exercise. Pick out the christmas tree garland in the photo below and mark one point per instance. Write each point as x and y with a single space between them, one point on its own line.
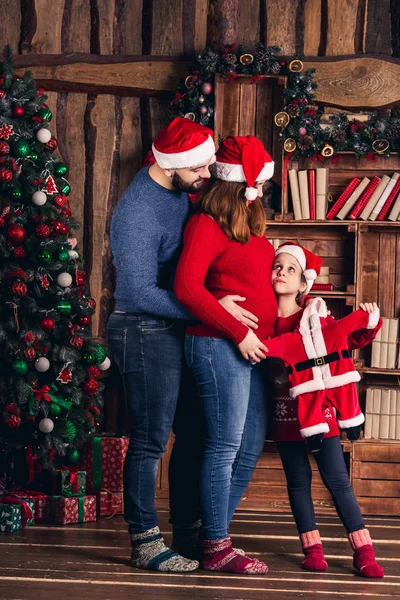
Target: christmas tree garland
301 133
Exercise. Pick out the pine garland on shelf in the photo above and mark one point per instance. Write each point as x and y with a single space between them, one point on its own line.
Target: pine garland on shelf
301 133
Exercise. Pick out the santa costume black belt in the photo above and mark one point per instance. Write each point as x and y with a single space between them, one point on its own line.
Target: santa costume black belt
320 361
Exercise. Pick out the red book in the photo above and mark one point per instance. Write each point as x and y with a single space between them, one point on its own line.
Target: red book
311 194
322 287
344 196
364 198
389 202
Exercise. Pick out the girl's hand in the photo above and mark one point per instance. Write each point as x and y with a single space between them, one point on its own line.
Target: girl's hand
252 348
368 307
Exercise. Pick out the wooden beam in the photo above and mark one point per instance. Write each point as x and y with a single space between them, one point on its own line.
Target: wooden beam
222 23
120 75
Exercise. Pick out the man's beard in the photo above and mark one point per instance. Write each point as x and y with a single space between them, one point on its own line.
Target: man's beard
189 188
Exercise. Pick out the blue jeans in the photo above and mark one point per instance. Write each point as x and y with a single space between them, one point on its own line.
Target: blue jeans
332 467
233 399
148 351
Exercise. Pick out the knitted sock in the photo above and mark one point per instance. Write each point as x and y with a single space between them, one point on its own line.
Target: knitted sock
150 552
219 555
364 556
187 540
312 548
314 442
353 433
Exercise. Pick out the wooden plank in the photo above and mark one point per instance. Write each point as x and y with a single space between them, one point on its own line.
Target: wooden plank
379 506
75 31
376 489
312 27
166 27
128 28
386 269
367 272
375 470
222 23
342 19
123 75
248 23
264 112
382 452
47 36
131 143
280 25
377 38
105 26
194 26
395 23
10 24
397 278
247 115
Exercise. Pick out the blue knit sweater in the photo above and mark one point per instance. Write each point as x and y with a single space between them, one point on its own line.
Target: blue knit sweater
146 239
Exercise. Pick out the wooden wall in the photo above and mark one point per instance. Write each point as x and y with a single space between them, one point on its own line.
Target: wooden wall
105 110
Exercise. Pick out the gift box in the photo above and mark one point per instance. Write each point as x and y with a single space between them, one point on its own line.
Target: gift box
64 510
15 513
104 463
40 500
109 503
71 481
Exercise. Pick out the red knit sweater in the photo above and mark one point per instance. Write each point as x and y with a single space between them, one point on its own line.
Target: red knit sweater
286 425
212 266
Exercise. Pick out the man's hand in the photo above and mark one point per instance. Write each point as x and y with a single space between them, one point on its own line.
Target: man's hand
242 315
368 307
252 348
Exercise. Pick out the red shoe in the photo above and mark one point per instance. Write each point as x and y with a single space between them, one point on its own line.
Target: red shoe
312 548
364 562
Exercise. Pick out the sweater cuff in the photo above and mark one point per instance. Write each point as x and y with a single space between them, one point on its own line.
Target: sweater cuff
240 333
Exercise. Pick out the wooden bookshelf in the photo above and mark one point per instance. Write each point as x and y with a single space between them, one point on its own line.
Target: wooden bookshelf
364 262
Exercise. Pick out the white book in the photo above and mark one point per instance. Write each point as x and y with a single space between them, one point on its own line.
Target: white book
368 426
304 199
392 414
384 427
397 427
376 401
369 404
384 344
385 401
395 212
376 350
375 427
392 343
295 193
374 198
379 205
350 202
321 187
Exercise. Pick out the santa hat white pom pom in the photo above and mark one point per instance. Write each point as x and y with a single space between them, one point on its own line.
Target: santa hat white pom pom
251 193
310 274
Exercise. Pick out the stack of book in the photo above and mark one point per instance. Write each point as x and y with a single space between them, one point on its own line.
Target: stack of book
384 346
309 191
375 199
322 282
382 414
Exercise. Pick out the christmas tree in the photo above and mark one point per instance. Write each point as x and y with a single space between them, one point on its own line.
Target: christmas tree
50 393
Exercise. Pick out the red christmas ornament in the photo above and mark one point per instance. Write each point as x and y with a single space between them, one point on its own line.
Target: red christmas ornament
65 375
51 145
19 252
47 324
4 148
30 337
44 280
80 278
29 353
94 372
5 174
19 288
2 94
91 303
43 231
76 341
16 234
13 421
206 88
40 91
18 111
84 320
90 387
59 228
50 186
6 131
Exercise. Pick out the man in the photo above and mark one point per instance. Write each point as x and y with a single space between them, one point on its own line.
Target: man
145 335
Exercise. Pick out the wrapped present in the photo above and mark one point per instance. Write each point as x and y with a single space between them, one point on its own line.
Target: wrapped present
71 482
104 463
109 503
41 503
72 509
16 513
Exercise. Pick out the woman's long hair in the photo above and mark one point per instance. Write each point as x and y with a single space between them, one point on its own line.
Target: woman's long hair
225 202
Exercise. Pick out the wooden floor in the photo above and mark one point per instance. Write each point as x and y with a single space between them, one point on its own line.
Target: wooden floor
92 562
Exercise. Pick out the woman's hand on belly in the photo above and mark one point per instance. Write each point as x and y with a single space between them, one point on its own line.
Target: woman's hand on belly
240 313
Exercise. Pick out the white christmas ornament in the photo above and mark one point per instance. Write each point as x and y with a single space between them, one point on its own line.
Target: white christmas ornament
39 198
64 279
43 135
46 425
42 364
105 364
73 254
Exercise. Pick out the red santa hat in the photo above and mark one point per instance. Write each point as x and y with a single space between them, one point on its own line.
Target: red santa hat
183 144
243 159
310 263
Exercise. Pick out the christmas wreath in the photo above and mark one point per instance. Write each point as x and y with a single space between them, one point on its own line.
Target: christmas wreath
301 133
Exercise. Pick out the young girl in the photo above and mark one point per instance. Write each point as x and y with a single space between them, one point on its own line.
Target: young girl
290 281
